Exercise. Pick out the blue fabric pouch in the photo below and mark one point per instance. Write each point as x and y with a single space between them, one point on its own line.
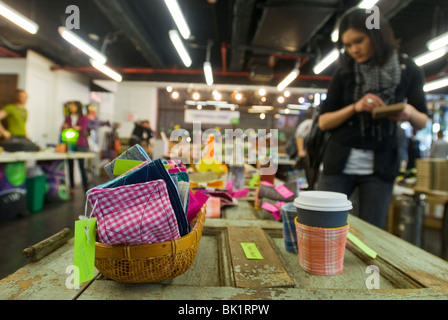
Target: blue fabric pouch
136 152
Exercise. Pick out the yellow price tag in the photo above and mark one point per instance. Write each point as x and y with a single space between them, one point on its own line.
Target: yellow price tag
361 245
251 251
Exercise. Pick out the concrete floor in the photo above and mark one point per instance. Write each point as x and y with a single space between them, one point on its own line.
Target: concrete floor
20 233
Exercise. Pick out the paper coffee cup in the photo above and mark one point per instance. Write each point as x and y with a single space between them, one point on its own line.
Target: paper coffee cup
322 209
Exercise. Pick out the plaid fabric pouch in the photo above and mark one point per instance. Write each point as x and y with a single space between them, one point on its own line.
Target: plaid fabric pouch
134 214
321 250
150 171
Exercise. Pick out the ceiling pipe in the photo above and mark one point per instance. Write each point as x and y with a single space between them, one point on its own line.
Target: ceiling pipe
4 52
184 72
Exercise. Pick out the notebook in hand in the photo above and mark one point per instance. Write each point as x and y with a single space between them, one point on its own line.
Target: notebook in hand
383 112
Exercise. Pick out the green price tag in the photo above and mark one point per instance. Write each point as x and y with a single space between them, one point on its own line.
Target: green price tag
255 179
361 245
84 250
251 251
123 165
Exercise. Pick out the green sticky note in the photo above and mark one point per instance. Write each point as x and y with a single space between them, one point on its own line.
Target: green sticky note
123 165
361 245
84 250
251 251
254 180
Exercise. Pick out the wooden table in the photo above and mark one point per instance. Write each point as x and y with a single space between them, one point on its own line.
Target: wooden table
221 271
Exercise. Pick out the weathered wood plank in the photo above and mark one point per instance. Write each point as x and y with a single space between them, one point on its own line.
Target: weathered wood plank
267 272
107 289
44 279
414 262
243 211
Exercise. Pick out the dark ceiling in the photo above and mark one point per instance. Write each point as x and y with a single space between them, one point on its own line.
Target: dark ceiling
254 41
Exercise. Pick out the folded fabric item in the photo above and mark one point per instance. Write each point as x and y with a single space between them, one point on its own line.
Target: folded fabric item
134 214
196 202
271 208
236 193
136 152
184 189
177 169
181 176
274 192
223 195
148 172
236 175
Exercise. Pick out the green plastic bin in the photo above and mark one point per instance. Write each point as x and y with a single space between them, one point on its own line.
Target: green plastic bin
35 193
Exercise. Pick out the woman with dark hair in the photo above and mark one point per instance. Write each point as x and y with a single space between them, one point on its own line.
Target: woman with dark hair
79 122
363 152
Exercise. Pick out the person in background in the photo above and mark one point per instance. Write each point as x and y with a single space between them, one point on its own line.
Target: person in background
301 133
142 133
439 148
362 152
413 150
79 122
15 115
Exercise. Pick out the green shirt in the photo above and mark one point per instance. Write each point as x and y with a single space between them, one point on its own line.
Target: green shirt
16 119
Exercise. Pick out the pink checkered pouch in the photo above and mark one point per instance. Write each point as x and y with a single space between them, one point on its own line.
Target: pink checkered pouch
134 214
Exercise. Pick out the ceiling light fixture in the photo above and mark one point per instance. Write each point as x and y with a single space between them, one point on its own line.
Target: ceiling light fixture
82 45
438 42
367 4
175 95
178 44
335 35
208 73
106 70
436 84
178 18
430 56
196 96
299 106
287 81
208 66
290 77
19 19
326 61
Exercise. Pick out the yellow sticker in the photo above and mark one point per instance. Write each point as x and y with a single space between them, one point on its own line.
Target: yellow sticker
361 245
251 251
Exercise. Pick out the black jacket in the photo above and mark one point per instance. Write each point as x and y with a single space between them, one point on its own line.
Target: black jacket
350 134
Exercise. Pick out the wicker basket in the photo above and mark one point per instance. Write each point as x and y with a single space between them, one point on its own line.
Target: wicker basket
150 262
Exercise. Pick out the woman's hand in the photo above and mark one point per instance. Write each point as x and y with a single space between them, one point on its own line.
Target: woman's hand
368 103
412 115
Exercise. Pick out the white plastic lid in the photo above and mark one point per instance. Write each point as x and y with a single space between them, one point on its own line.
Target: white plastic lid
322 201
